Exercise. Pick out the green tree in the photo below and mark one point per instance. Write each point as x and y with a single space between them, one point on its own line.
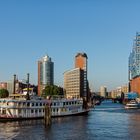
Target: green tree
4 93
52 90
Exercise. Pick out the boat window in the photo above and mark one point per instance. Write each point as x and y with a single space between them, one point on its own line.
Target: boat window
36 111
19 111
63 109
28 104
132 105
24 111
3 111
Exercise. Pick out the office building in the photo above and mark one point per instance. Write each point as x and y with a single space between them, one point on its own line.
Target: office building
45 73
73 83
103 91
75 80
81 62
134 66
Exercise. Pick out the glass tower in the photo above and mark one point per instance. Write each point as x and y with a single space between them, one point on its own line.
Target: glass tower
45 73
134 58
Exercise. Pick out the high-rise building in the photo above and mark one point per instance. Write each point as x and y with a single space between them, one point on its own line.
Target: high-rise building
73 83
81 62
75 80
134 66
103 91
45 73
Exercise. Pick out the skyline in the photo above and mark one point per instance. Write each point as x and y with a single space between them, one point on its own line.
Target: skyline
104 30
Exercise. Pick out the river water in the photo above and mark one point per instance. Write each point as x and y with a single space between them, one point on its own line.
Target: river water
109 121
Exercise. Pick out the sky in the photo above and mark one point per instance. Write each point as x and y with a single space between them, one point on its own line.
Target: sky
103 29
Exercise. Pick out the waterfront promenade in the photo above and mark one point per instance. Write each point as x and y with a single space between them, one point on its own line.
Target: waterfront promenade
109 121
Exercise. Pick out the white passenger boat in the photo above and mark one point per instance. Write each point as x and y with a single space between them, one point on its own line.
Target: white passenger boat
15 109
133 104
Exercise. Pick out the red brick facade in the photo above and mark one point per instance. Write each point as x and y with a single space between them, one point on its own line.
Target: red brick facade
135 85
80 62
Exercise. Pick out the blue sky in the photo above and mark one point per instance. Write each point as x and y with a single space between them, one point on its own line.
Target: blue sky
104 29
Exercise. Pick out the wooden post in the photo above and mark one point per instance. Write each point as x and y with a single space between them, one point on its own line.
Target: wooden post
14 84
47 115
27 95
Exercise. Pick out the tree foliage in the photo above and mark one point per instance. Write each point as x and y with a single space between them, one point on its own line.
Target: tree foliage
4 93
51 90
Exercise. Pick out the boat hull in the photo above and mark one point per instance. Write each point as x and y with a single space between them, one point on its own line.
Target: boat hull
4 119
127 107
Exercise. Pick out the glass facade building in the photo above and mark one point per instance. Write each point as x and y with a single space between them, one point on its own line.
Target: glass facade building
45 73
134 58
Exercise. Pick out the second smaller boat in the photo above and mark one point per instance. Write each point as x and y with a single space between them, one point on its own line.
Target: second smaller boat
133 104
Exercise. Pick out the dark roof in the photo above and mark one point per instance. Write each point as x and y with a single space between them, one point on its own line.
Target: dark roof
81 54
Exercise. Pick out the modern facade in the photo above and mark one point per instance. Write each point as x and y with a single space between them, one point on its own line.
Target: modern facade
73 83
75 80
134 66
81 62
45 73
